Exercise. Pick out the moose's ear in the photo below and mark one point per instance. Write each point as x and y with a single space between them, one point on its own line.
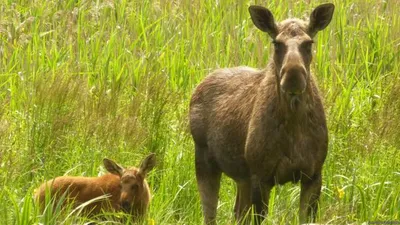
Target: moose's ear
147 164
264 20
320 18
113 167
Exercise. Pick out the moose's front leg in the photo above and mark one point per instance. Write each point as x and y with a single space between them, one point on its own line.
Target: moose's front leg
310 192
243 200
260 198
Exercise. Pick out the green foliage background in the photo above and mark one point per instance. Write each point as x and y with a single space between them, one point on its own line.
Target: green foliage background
82 80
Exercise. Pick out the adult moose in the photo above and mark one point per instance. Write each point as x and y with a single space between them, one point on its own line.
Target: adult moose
263 127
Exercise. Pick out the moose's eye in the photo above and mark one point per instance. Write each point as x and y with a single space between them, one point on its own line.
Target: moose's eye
134 187
307 46
279 46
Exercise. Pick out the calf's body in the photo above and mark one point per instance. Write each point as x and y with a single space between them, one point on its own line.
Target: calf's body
83 189
263 127
126 189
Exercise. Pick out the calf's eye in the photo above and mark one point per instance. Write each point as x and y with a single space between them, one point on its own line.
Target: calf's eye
134 187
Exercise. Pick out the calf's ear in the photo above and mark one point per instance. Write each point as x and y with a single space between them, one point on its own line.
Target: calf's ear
147 164
113 167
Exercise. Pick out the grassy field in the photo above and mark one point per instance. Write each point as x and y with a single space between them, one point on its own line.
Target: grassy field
82 80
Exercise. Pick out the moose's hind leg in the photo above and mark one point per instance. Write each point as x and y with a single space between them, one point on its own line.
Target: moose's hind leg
208 181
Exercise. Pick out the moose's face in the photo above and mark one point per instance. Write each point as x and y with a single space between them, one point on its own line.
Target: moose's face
132 182
292 39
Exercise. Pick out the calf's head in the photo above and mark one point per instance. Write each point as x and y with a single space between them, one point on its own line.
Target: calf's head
132 180
292 40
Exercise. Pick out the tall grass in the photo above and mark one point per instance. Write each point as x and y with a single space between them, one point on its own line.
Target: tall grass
83 80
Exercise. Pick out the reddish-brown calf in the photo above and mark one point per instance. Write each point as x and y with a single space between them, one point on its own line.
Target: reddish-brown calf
127 189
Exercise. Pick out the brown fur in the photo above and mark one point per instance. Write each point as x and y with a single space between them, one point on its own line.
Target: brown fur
263 127
127 188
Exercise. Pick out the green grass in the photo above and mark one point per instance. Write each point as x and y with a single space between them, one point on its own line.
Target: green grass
83 80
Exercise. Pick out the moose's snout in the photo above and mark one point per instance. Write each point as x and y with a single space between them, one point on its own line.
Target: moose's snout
125 205
293 81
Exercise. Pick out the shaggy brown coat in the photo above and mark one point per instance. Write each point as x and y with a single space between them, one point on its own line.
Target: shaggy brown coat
263 127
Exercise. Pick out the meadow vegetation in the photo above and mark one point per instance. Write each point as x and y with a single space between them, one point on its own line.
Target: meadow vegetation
81 80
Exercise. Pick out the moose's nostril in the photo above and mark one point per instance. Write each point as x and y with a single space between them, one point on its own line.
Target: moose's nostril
125 205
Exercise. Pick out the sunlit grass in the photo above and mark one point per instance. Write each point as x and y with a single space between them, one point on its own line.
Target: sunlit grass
84 80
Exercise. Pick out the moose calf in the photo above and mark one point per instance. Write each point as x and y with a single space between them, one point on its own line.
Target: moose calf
127 188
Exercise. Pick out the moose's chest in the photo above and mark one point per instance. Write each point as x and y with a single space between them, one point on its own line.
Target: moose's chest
294 152
296 158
